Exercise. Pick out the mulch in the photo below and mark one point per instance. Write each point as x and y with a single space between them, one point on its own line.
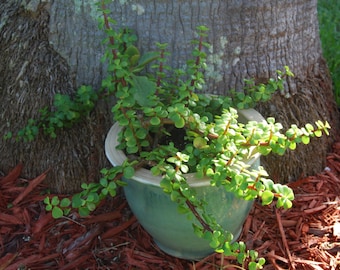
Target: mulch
304 237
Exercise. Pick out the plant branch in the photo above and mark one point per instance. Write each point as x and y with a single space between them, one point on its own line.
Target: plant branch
193 209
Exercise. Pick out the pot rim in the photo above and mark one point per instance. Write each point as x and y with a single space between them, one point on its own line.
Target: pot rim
117 156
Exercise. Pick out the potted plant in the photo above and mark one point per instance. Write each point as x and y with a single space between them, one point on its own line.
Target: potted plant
173 232
169 130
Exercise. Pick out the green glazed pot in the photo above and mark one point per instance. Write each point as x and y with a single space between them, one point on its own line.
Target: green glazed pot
172 231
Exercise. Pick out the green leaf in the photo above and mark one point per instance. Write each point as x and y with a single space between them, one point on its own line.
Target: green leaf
262 261
252 266
55 200
166 185
131 142
84 211
264 150
57 212
175 195
91 206
214 243
47 200
182 209
129 172
305 139
141 133
112 187
180 123
103 181
8 135
199 142
318 133
155 121
77 201
132 149
146 59
105 191
292 145
184 168
198 230
144 89
283 202
267 197
91 197
65 202
253 254
134 59
84 186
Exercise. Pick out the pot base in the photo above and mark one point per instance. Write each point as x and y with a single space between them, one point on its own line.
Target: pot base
187 255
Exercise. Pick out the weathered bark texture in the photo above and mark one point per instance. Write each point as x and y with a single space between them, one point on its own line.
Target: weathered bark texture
54 46
250 39
31 73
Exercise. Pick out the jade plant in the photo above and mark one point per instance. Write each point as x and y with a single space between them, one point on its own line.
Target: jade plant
155 103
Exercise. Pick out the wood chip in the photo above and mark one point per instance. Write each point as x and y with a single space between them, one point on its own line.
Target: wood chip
303 237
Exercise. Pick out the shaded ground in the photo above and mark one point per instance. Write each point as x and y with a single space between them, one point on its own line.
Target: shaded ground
304 237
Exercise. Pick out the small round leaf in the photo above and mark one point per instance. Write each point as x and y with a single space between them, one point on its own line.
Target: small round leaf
57 212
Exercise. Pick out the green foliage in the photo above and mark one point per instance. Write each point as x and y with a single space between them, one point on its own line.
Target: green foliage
255 93
151 105
329 21
67 111
58 207
92 194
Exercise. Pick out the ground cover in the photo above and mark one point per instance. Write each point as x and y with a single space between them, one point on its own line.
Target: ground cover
304 237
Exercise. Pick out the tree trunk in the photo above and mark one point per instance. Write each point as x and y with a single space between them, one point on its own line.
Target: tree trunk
54 46
32 72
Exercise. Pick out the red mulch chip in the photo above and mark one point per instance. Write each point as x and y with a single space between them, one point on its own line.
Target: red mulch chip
304 237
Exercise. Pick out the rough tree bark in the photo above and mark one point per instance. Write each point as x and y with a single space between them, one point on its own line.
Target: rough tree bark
54 46
31 72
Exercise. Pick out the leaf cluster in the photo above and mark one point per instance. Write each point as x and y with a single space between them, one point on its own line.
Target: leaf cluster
65 113
154 104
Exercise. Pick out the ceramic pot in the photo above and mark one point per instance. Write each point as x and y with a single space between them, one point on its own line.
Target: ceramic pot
154 210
